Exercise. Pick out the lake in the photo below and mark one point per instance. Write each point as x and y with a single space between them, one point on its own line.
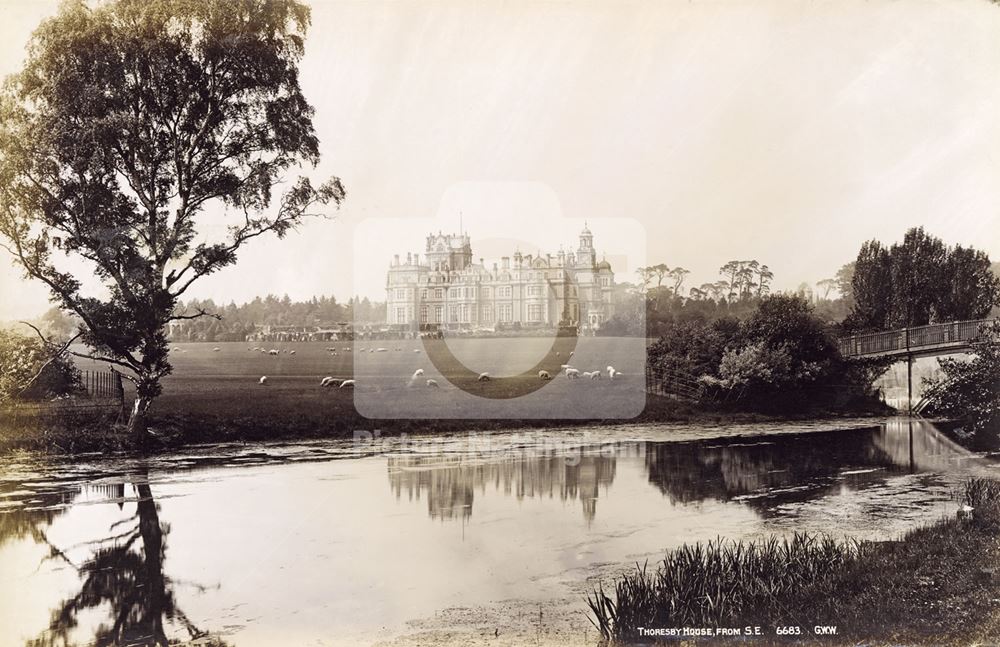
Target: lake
464 539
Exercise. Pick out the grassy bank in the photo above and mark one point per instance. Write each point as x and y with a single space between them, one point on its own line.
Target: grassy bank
181 419
936 585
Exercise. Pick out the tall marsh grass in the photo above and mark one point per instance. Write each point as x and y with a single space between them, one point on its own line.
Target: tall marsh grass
734 583
717 583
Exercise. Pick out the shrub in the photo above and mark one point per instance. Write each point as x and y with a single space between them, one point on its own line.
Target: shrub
969 391
21 359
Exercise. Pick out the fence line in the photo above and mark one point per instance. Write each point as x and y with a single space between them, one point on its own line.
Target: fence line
101 389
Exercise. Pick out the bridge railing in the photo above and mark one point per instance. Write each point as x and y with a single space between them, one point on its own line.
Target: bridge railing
905 339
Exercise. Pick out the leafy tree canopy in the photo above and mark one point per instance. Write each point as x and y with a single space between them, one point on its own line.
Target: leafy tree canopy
128 119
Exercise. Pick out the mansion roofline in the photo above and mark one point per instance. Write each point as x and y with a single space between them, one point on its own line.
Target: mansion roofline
446 288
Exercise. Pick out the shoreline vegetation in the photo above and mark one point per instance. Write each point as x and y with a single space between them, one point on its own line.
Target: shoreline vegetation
180 421
937 584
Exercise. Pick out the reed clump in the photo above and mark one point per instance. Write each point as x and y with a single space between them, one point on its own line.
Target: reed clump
808 579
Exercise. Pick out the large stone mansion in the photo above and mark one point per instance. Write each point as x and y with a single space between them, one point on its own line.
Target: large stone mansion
446 289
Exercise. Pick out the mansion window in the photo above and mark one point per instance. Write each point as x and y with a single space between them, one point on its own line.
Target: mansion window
423 314
486 293
504 312
438 314
534 290
487 313
453 314
439 293
534 312
400 293
400 315
423 294
605 281
504 291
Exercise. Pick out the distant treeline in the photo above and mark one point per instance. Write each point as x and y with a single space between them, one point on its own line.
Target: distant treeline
235 322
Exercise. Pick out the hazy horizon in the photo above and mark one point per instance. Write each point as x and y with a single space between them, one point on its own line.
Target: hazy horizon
788 132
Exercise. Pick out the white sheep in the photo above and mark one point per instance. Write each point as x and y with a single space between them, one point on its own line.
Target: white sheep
381 350
484 377
417 373
346 383
544 375
263 379
432 382
572 373
291 352
273 352
416 350
589 374
612 373
216 349
595 375
328 381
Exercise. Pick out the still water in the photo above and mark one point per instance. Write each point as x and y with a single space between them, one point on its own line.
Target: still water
491 539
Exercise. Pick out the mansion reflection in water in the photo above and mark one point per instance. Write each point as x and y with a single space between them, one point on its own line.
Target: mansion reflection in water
760 472
450 482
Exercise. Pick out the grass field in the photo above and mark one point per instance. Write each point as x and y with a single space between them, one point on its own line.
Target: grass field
220 389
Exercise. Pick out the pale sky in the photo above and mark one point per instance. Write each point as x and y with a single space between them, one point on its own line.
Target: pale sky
784 131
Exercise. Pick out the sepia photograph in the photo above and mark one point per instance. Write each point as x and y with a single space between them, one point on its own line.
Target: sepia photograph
449 323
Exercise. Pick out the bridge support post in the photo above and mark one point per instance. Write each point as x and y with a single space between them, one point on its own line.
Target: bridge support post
909 384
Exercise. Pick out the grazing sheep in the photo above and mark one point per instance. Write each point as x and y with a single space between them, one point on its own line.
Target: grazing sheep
346 349
483 377
544 375
291 352
612 372
565 366
273 352
349 383
418 372
328 381
595 375
589 374
216 349
263 379
416 350
572 373
381 350
432 382
571 353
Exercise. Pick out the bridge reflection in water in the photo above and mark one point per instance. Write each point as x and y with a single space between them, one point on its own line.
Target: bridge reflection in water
763 472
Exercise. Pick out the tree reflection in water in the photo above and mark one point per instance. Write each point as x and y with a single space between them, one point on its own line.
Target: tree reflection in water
793 468
124 576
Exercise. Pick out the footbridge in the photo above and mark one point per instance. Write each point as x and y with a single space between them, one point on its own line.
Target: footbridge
921 341
907 344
